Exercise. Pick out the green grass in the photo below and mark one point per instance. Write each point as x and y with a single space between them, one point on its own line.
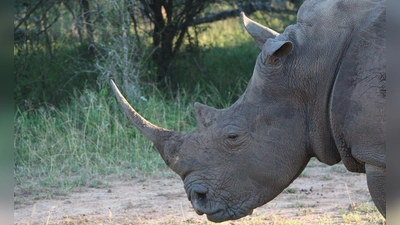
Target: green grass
87 140
40 77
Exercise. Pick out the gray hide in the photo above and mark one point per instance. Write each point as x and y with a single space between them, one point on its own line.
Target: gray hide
317 90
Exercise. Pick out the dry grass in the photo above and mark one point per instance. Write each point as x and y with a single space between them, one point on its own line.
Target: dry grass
363 214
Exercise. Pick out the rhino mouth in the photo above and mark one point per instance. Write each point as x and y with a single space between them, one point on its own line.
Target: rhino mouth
228 214
203 203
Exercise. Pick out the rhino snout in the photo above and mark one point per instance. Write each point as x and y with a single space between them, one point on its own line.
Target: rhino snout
199 197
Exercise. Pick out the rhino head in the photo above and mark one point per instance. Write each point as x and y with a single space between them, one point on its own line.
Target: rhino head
244 156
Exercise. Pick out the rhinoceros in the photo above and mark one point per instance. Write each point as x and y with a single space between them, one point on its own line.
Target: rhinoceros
318 90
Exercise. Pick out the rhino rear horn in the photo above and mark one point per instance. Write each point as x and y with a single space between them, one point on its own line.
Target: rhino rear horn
259 32
205 115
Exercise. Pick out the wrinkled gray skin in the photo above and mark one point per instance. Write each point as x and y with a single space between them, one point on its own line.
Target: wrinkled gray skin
317 90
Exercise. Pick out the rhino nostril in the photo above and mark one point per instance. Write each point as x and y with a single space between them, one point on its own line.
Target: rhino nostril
201 197
199 202
198 196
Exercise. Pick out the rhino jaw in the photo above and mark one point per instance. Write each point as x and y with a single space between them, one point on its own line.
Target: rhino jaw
167 142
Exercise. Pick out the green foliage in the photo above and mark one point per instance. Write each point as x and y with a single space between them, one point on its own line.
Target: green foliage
223 60
221 65
41 77
49 65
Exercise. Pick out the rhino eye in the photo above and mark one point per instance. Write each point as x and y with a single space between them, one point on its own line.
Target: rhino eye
232 136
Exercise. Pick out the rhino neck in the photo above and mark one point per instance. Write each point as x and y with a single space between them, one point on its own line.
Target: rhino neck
309 98
322 45
316 100
320 142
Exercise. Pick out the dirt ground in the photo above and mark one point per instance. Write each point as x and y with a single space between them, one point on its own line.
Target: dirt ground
320 193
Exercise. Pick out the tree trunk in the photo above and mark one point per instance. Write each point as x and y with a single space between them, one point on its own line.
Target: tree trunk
89 27
161 43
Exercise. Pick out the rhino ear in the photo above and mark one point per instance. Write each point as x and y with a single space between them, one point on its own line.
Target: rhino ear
276 50
205 115
259 33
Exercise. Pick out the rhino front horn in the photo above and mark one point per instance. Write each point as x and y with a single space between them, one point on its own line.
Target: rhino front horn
167 142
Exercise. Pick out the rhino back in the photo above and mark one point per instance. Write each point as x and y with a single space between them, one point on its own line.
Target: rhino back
357 108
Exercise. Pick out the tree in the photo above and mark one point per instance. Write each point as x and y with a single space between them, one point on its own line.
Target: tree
171 20
49 49
109 38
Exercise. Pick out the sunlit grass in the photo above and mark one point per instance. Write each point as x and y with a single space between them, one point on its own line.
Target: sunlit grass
80 143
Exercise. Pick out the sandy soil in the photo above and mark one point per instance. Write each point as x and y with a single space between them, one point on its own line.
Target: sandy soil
320 192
